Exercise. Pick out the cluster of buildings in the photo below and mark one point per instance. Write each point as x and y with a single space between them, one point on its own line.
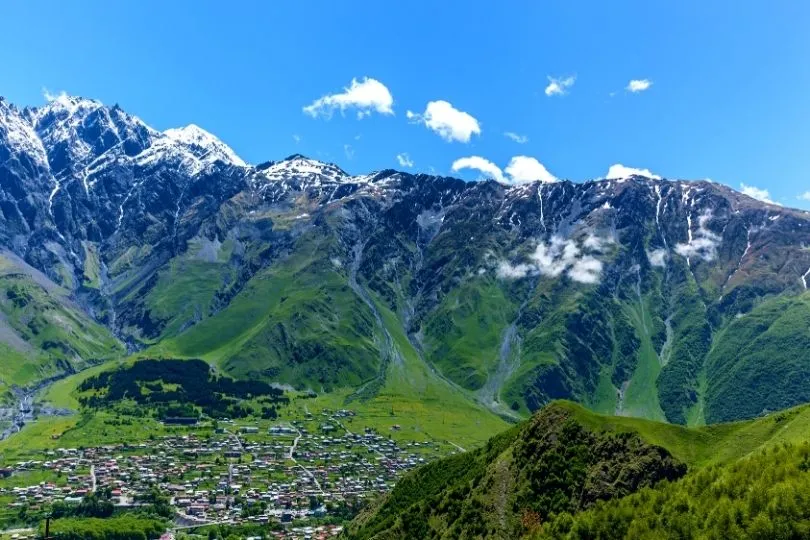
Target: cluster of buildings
304 475
69 482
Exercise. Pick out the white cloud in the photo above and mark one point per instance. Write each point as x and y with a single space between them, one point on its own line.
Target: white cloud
559 86
560 256
448 122
366 96
701 246
805 196
757 193
60 96
349 151
296 138
638 85
48 95
521 169
404 160
619 171
657 257
552 259
517 271
702 242
596 243
489 169
586 270
520 139
528 169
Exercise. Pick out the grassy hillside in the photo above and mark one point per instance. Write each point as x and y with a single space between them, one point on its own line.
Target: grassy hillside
691 340
570 473
42 331
463 334
760 361
297 322
713 444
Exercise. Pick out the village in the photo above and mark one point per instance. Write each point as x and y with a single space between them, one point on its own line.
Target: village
302 478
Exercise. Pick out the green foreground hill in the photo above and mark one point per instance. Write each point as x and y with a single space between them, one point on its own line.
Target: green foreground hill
570 473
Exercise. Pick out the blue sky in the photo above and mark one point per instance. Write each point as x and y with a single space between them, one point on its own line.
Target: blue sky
728 99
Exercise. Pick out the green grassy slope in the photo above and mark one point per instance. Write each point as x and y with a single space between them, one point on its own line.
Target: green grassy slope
185 292
640 395
567 342
42 332
718 443
691 340
421 398
297 322
761 361
463 333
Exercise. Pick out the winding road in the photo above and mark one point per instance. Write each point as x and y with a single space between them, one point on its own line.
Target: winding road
307 471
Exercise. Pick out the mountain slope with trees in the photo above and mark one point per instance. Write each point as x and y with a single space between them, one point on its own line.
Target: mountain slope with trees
569 473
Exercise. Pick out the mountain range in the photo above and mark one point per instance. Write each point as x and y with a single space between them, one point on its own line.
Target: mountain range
674 300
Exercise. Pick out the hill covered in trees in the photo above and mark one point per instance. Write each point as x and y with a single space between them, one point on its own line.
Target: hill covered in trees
571 474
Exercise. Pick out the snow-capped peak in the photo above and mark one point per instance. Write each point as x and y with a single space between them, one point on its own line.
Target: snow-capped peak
71 104
204 145
80 135
61 121
191 147
298 166
20 135
61 106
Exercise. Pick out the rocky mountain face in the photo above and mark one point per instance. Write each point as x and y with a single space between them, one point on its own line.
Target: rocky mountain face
666 299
